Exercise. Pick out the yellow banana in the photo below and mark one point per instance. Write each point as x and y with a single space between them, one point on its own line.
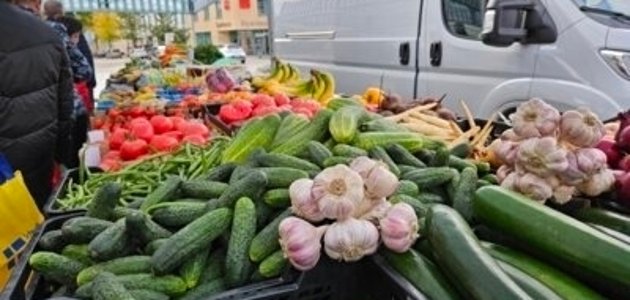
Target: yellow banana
329 90
318 85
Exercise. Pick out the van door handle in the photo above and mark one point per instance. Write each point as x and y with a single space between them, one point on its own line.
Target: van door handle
435 54
404 53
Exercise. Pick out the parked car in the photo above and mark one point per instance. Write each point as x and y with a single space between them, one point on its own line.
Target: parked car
233 51
139 53
569 52
114 53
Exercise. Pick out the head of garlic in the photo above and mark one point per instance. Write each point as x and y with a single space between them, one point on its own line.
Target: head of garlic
563 193
572 175
590 160
581 128
505 151
598 183
541 156
530 185
399 227
535 118
338 191
503 172
301 242
372 209
378 179
363 165
351 239
303 204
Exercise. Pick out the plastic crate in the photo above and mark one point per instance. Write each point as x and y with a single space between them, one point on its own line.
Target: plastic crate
51 207
497 129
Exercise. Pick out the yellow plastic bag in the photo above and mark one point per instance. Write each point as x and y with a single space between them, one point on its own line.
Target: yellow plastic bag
19 216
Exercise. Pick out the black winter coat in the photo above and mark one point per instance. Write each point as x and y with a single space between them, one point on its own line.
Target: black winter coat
36 98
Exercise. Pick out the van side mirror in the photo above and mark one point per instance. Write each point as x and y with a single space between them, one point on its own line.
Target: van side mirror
509 21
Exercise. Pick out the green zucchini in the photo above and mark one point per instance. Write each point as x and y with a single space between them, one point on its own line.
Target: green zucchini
108 287
378 153
166 191
459 254
273 265
464 192
111 243
55 267
403 157
266 242
203 189
291 125
278 198
616 234
206 290
533 287
118 266
603 217
256 133
317 130
144 229
104 201
318 152
221 173
237 264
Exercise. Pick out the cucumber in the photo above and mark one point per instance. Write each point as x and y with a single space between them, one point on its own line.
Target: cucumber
55 267
318 152
464 192
317 130
407 187
203 189
430 177
491 178
111 243
193 268
104 201
403 157
286 161
378 153
282 177
108 287
193 200
191 239
118 266
462 150
82 230
533 287
441 158
421 273
266 241
483 167
214 266
52 241
177 214
482 182
79 253
459 254
425 155
344 123
419 207
291 125
135 204
460 164
122 212
606 218
264 213
273 265
237 264
166 191
170 285
144 229
381 125
239 173
337 160
451 187
153 246
404 169
348 151
554 234
252 186
431 198
278 198
206 290
148 295
221 173
563 285
256 133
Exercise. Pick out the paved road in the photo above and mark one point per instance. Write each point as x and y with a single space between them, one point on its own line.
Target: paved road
104 67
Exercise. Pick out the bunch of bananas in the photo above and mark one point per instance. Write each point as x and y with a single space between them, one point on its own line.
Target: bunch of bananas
145 94
286 79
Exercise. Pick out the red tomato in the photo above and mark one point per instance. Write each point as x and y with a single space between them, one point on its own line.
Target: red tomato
281 99
150 112
162 143
114 113
243 105
112 155
117 138
230 114
98 122
195 139
175 134
161 124
304 111
263 100
196 128
143 131
136 112
178 122
264 110
110 165
131 150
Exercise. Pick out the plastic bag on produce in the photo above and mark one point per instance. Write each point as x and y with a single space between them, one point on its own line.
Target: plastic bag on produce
19 216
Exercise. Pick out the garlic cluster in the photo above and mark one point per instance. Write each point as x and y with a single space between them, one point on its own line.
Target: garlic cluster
351 202
548 155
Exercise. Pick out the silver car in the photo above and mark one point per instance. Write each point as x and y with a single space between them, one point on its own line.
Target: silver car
233 51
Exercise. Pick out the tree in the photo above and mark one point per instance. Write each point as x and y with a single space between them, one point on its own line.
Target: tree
130 24
106 27
165 24
85 18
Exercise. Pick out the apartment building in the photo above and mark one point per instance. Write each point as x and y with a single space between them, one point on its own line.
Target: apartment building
242 22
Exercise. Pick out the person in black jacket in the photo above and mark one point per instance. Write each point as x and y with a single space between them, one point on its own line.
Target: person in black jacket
36 96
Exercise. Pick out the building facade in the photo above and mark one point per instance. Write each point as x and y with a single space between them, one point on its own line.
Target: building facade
242 22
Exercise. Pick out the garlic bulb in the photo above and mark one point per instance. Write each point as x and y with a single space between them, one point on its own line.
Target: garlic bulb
363 165
380 182
509 135
535 118
598 183
541 156
503 172
563 193
303 204
530 185
301 242
590 160
351 239
399 228
373 210
339 191
572 175
506 151
581 128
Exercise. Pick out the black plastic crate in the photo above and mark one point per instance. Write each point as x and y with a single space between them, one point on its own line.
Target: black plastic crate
51 208
497 129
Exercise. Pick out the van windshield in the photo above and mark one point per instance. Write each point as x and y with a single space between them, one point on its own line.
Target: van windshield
611 7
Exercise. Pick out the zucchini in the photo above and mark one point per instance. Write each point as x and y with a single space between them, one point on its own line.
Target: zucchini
554 234
278 198
144 229
206 290
266 242
221 173
55 267
257 133
464 192
318 152
378 153
273 265
252 186
214 267
344 123
193 268
421 273
166 191
82 230
148 295
118 266
107 287
177 214
407 187
290 126
403 157
337 160
606 218
104 201
317 130
533 287
79 253
203 189
616 234
430 177
563 285
286 161
191 239
348 151
53 240
458 253
237 264
111 243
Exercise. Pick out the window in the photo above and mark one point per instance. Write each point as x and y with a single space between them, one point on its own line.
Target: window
217 5
262 6
206 13
464 18
203 38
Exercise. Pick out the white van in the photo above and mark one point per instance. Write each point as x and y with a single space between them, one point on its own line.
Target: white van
569 52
